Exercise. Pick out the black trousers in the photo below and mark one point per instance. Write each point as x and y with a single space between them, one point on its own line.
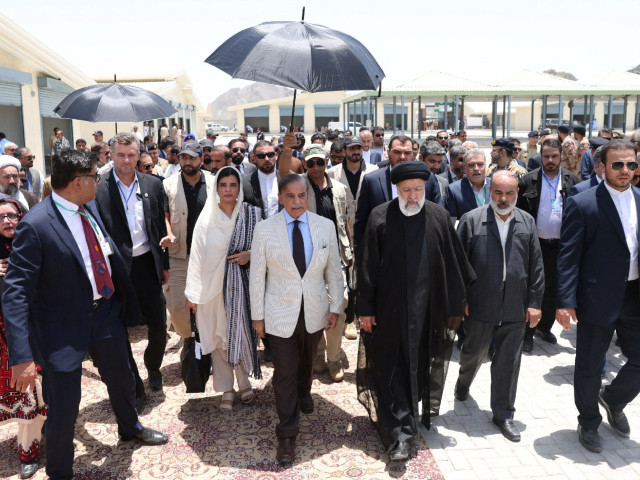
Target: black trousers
505 366
292 374
591 347
108 350
154 314
550 262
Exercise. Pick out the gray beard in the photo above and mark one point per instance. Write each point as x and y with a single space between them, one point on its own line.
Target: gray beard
503 211
410 210
9 190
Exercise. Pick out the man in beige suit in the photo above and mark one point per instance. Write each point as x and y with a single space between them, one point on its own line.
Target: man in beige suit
296 290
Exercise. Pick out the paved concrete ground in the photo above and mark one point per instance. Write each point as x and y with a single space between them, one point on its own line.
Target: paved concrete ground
467 445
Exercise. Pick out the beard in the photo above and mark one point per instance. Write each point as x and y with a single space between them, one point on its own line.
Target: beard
410 210
503 208
237 159
8 189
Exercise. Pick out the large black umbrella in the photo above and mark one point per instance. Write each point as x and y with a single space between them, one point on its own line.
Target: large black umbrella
113 102
299 55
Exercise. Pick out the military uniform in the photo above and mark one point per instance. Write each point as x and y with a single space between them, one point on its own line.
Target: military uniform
512 167
570 159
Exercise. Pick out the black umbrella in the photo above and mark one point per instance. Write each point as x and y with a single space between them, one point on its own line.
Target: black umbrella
113 102
299 55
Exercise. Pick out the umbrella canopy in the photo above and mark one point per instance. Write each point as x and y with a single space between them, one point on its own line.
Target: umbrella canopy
299 55
113 102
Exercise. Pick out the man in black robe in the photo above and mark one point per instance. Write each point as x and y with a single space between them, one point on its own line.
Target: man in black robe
411 292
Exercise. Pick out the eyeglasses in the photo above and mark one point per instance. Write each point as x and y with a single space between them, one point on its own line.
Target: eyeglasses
318 161
29 157
379 135
443 138
207 149
636 177
262 156
11 216
633 166
96 177
517 149
236 150
337 157
148 166
415 189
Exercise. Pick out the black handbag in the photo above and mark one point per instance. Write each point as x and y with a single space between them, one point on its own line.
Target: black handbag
195 369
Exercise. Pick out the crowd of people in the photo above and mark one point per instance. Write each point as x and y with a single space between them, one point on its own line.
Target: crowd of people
297 246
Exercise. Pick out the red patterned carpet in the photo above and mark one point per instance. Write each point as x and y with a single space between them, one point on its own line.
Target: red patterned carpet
336 441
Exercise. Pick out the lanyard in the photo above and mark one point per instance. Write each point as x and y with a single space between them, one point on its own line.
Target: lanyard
126 199
93 224
553 187
484 195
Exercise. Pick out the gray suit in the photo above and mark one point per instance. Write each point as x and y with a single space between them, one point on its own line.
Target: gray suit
497 309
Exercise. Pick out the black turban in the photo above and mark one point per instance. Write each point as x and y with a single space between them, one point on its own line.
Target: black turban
408 170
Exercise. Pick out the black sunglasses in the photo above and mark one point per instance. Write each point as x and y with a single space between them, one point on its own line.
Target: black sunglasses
379 135
633 166
443 138
236 150
318 161
207 149
148 166
262 156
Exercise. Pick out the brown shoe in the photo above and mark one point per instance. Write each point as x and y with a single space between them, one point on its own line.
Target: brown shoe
320 365
335 371
285 452
350 330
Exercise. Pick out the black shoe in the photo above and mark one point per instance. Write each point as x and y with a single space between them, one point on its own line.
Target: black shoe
527 345
461 394
148 436
508 429
492 352
306 404
617 420
28 469
400 451
140 399
155 381
286 451
590 439
547 336
267 355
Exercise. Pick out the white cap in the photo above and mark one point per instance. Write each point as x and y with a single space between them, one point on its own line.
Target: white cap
9 161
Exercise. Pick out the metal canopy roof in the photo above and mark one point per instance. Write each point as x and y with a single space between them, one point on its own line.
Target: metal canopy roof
526 83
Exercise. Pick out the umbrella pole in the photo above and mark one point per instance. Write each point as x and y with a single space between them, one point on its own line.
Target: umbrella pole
293 110
114 81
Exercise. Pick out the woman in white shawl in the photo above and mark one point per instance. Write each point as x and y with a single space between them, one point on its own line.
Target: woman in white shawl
217 289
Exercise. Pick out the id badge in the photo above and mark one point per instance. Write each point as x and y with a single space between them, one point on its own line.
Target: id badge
556 205
106 248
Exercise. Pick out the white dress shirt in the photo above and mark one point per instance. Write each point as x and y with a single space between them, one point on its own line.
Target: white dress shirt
549 219
269 192
306 234
133 209
366 156
171 169
626 206
73 219
394 188
503 229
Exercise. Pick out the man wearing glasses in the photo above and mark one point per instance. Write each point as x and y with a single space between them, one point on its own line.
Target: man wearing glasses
33 177
378 142
329 199
238 148
187 193
368 155
598 287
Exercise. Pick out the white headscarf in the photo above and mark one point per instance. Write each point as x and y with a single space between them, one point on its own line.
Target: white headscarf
211 236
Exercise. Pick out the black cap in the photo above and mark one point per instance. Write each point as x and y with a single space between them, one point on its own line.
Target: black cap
152 146
545 132
580 129
596 142
352 142
534 133
563 128
205 142
193 149
503 143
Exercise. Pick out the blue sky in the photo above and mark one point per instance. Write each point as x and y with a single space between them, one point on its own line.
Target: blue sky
479 40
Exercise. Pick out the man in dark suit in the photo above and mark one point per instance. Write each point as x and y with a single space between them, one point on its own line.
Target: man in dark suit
377 189
431 153
55 323
239 148
598 287
260 188
132 206
455 170
368 155
502 246
587 167
473 190
543 194
598 170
